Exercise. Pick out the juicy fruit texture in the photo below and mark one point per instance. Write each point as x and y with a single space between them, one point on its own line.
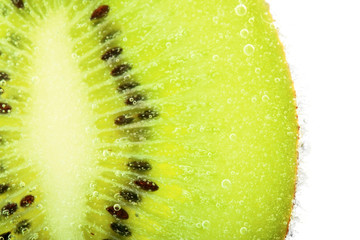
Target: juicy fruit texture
144 120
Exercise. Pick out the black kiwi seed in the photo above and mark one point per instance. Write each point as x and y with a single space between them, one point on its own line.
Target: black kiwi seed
134 99
22 227
5 108
123 120
1 90
146 185
18 3
100 12
120 229
147 114
9 209
127 86
119 214
4 76
4 188
109 36
6 236
113 52
139 165
120 70
130 196
27 201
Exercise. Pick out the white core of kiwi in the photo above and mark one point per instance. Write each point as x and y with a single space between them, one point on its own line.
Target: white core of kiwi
59 127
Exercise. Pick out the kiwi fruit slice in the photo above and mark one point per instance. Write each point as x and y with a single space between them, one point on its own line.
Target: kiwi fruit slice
171 120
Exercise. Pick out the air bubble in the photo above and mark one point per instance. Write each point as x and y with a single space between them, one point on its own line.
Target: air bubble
244 33
117 207
106 153
216 19
168 44
215 58
34 236
243 230
257 70
226 183
240 10
249 49
95 194
233 137
205 224
265 98
117 196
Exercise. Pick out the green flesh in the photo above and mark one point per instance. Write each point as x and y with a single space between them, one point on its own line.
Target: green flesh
222 144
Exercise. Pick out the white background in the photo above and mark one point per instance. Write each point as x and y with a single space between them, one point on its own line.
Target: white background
322 44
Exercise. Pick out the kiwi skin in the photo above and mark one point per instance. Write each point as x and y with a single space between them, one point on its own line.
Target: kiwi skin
125 120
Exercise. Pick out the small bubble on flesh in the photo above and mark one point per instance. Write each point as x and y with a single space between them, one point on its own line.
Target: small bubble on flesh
244 33
117 207
243 230
205 224
226 184
240 10
249 49
233 137
265 98
215 58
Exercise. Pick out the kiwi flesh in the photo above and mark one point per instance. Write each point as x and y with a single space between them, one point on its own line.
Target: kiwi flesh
170 120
